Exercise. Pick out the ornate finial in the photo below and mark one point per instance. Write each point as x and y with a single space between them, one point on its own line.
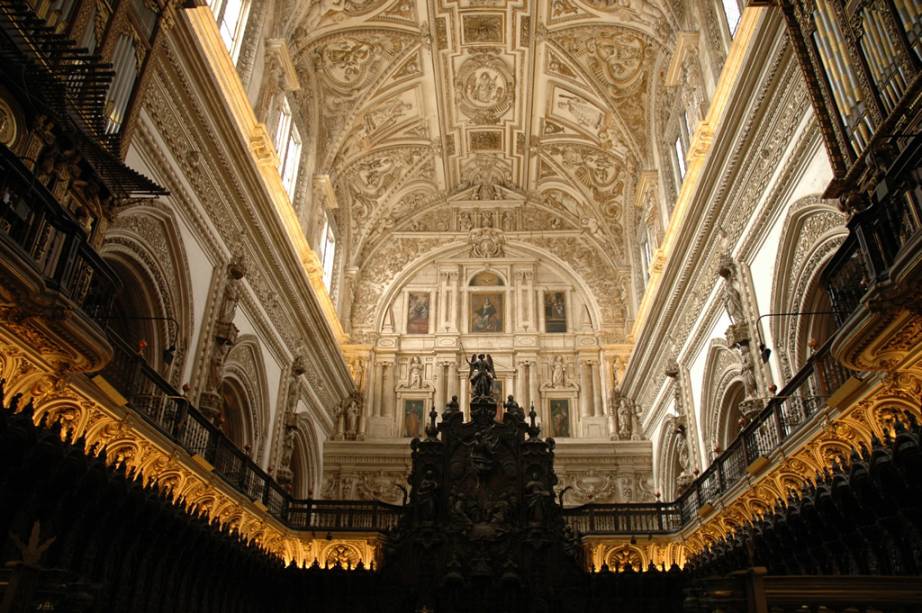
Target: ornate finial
431 429
451 408
533 426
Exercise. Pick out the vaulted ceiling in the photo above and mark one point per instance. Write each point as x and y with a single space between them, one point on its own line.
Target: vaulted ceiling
541 107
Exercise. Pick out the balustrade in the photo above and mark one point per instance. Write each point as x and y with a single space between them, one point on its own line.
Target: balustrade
52 241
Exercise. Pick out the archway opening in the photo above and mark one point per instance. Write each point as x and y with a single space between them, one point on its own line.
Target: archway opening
134 311
234 410
731 418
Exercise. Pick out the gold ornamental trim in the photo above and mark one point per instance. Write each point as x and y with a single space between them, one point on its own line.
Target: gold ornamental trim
85 411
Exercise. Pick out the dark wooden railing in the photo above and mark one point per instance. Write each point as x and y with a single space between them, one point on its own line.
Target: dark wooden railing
51 241
624 519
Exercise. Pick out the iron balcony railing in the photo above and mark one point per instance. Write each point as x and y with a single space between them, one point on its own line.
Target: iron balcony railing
339 515
784 415
152 396
51 241
880 235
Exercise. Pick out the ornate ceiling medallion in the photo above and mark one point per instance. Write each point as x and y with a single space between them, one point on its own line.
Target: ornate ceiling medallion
485 88
617 57
347 63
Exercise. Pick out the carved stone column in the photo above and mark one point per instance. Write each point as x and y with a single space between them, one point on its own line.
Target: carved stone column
438 380
521 383
585 390
464 397
376 397
387 390
452 379
532 367
598 408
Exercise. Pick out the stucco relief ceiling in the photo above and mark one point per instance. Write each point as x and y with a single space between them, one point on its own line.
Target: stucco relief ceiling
423 106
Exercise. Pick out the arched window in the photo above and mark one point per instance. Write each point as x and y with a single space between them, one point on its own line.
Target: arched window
327 251
732 12
288 146
231 16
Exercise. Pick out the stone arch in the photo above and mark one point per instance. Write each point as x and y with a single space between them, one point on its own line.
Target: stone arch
813 230
380 309
245 394
620 556
719 384
667 461
144 246
306 464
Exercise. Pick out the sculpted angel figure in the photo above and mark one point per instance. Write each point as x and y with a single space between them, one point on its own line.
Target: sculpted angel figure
482 375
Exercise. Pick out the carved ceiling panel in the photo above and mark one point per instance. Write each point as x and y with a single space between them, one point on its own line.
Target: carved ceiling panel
426 106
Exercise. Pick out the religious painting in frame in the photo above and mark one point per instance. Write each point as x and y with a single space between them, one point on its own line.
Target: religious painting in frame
413 409
559 417
418 313
555 312
486 312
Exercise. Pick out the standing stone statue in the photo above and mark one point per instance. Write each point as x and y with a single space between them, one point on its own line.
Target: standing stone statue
733 299
624 419
558 372
748 371
636 428
415 378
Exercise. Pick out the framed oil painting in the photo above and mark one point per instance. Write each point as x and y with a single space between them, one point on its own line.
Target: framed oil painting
560 417
413 416
418 313
555 312
486 312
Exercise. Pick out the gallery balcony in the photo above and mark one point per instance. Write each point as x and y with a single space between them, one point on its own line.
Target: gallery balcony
873 279
788 420
53 284
160 404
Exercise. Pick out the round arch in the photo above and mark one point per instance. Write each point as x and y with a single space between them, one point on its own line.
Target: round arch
721 376
306 462
381 305
144 246
246 397
667 458
813 230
